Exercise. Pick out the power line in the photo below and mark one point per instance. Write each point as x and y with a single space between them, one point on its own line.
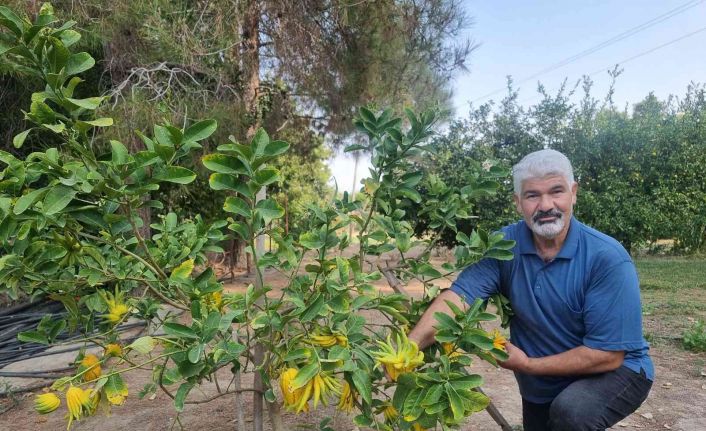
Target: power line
651 50
617 38
642 54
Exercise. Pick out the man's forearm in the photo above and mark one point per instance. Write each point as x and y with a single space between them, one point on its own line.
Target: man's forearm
423 332
580 360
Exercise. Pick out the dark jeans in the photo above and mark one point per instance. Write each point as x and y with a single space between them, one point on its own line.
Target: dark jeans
593 403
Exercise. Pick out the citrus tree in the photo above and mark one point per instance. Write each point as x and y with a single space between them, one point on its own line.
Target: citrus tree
70 232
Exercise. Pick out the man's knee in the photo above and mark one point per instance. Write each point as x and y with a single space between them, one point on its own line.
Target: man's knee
568 414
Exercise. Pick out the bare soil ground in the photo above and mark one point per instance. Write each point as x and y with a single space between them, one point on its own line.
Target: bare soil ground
677 400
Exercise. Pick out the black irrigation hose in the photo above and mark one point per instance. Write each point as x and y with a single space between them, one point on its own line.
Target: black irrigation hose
42 348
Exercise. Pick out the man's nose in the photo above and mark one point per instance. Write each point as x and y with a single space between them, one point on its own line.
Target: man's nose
546 203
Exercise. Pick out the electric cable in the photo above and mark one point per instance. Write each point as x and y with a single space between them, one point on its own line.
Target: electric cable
617 38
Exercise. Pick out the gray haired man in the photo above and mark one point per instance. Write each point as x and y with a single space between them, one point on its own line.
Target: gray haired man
577 348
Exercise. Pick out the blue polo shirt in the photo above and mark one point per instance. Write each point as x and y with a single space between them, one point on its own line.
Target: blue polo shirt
588 295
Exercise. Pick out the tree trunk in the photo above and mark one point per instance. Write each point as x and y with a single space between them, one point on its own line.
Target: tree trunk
251 65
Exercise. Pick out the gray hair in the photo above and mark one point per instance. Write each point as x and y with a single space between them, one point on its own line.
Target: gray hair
540 164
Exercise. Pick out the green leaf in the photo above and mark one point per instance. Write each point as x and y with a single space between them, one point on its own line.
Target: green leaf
354 147
367 115
269 210
196 352
402 240
456 402
235 147
69 37
143 345
467 382
78 63
4 47
19 139
446 321
181 394
224 164
32 337
260 142
176 174
411 194
56 128
115 389
266 176
57 199
476 401
100 122
183 271
311 240
26 201
362 383
90 103
179 330
57 56
223 182
11 21
237 205
428 271
305 374
200 130
344 268
499 254
433 396
313 310
227 319
119 152
275 148
413 404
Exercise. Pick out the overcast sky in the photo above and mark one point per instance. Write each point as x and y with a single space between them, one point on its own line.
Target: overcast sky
524 37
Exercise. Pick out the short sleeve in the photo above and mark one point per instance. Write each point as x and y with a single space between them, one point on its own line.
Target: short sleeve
612 313
480 280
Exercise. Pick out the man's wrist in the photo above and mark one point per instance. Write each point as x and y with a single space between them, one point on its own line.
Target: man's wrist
529 366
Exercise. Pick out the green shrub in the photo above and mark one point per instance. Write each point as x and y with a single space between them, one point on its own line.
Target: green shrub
694 338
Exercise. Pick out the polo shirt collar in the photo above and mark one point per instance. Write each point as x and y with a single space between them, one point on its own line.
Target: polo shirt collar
568 249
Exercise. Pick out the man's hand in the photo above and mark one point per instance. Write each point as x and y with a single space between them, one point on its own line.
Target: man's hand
518 360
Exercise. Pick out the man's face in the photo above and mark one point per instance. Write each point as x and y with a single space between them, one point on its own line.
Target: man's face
546 204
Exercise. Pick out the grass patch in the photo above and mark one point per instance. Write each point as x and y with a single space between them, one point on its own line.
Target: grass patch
660 273
673 298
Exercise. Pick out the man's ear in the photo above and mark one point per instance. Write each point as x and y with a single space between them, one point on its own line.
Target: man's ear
574 191
516 198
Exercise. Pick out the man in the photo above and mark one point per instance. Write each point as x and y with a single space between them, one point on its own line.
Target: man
576 347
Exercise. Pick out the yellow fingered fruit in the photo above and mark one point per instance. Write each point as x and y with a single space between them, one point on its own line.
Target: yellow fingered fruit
390 413
116 306
323 340
292 398
328 339
417 427
403 359
342 340
345 404
46 403
78 402
318 389
499 340
113 349
449 350
90 363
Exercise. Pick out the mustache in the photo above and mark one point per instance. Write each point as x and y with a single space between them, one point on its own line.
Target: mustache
550 213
